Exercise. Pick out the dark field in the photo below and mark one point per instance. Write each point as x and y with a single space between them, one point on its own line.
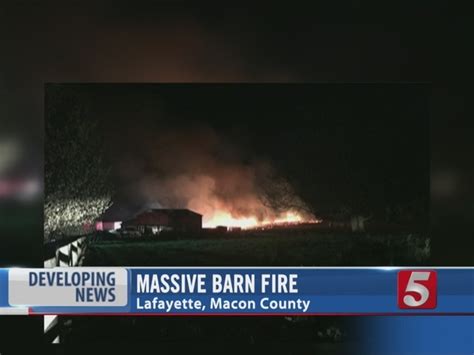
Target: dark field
332 335
263 248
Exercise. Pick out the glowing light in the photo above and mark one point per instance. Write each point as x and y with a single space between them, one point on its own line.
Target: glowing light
224 218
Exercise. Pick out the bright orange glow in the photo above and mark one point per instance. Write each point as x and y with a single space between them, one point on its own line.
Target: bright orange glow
223 218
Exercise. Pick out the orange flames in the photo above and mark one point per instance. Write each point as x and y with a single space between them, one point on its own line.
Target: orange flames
224 218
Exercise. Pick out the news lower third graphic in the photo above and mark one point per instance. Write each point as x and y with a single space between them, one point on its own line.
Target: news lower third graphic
237 291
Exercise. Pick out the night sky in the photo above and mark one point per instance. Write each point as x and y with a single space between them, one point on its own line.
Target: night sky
337 144
120 41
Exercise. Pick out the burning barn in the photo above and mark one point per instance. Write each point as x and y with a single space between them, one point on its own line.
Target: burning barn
157 220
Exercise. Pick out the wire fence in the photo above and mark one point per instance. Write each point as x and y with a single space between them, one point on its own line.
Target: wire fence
63 253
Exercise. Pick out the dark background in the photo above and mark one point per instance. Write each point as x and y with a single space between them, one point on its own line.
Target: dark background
139 41
362 146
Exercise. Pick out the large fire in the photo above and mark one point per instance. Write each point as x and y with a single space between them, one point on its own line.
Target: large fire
196 169
224 218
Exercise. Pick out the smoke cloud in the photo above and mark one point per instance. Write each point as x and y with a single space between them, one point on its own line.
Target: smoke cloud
198 169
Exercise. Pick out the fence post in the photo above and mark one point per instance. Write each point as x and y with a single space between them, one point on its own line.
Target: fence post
68 255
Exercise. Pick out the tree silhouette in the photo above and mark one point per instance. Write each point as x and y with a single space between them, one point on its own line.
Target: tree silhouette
77 188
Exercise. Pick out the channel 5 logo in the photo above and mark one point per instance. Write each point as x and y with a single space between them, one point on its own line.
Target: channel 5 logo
417 289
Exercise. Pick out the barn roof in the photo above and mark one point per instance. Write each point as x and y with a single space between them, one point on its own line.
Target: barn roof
164 215
172 211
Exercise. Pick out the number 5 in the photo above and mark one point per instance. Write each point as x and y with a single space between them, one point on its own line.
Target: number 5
418 288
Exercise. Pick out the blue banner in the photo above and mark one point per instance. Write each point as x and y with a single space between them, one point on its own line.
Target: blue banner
238 291
417 335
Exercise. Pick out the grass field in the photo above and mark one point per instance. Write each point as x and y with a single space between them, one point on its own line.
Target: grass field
264 248
332 335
